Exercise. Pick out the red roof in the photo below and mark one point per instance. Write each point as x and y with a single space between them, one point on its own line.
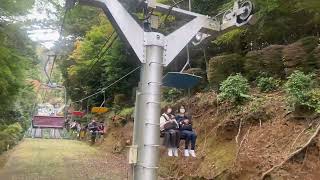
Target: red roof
48 121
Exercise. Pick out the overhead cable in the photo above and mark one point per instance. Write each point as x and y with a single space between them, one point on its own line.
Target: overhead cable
110 85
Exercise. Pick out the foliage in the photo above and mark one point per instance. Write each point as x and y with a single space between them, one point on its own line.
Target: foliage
220 67
127 112
298 88
171 94
314 99
267 84
17 69
9 7
234 89
256 104
91 66
229 37
10 136
278 22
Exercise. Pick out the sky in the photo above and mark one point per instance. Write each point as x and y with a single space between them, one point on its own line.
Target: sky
43 35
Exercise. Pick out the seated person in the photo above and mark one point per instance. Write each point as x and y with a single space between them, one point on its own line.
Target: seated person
101 129
186 130
170 129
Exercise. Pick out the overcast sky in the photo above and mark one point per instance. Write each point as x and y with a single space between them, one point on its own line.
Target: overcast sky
44 35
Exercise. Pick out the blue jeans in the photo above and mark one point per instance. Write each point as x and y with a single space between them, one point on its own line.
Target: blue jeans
189 136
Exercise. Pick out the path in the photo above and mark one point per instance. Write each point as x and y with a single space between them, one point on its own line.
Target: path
43 159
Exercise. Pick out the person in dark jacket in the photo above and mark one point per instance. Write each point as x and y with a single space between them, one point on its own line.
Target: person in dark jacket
186 130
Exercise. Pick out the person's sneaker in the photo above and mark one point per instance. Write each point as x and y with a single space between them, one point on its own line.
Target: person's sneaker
170 152
175 152
192 153
186 152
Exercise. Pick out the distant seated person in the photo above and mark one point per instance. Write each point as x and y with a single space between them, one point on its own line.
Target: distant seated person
101 128
73 125
83 132
93 125
185 126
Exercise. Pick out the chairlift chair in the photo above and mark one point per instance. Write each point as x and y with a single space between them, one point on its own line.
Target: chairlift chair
181 80
102 108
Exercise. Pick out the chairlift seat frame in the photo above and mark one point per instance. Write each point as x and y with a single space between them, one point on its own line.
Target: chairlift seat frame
180 80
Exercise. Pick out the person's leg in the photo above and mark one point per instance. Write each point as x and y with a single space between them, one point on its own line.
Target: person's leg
187 142
167 142
188 139
193 144
177 140
172 138
176 143
193 140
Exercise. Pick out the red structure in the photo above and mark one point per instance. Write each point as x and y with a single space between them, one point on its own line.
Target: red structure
48 122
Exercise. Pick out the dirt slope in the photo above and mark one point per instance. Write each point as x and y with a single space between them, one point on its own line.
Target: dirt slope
267 137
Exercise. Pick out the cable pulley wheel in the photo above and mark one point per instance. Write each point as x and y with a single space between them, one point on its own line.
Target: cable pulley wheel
248 10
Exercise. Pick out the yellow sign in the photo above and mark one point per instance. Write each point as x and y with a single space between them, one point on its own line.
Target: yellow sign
99 110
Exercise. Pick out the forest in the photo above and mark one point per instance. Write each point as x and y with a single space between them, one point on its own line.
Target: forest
260 84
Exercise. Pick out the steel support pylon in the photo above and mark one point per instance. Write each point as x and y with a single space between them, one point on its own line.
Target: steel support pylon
147 125
155 51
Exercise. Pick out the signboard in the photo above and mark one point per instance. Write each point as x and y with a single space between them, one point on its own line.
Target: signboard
99 110
78 113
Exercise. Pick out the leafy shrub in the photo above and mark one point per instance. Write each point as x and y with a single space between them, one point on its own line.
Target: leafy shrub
257 104
299 89
15 131
10 136
234 89
171 94
127 112
314 99
267 84
221 67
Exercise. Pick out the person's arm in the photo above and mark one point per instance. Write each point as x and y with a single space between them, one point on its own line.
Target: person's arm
163 121
186 127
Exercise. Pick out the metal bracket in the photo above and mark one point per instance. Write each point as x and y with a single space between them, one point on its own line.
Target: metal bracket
121 20
153 39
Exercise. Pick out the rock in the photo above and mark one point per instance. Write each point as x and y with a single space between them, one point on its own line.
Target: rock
301 55
220 67
267 60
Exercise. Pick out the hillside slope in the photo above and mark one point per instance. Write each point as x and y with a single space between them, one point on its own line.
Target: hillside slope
269 133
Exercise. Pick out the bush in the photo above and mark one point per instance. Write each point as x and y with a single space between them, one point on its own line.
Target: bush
234 89
10 136
221 67
267 84
127 112
267 60
314 99
171 94
299 89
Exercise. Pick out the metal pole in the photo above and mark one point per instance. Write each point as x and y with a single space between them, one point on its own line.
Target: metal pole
148 155
65 102
138 124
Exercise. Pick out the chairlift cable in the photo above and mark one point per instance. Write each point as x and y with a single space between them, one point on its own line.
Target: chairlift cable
169 12
103 53
98 55
110 85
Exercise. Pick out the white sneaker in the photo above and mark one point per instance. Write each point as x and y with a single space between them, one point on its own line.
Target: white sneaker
170 152
186 152
175 152
192 153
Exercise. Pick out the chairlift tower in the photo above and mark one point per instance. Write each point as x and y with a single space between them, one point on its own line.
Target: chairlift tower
156 51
